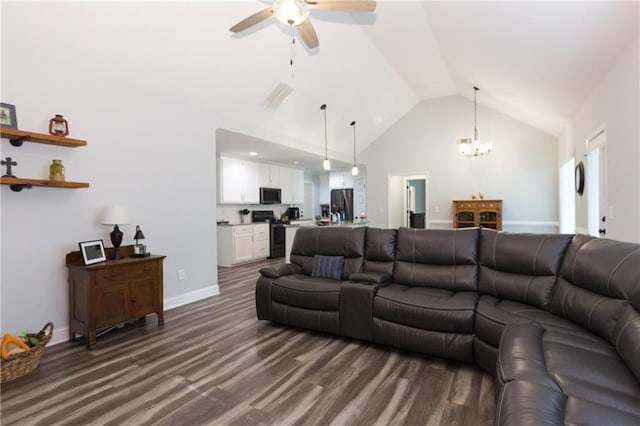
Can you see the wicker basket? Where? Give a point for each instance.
(17, 365)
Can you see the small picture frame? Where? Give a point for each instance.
(8, 118)
(92, 252)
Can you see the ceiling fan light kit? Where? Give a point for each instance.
(474, 147)
(295, 13)
(291, 12)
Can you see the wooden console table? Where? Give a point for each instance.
(108, 293)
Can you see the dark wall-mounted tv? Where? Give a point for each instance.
(270, 196)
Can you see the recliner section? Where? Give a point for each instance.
(554, 318)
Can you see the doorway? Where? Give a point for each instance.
(407, 200)
(597, 185)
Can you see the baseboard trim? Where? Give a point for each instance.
(190, 297)
(61, 335)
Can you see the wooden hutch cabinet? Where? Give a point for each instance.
(108, 293)
(477, 213)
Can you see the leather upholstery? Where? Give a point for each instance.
(520, 267)
(430, 305)
(347, 242)
(588, 371)
(593, 268)
(437, 258)
(555, 318)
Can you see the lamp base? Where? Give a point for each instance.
(116, 240)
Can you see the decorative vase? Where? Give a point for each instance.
(56, 171)
(58, 126)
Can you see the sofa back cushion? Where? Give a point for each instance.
(380, 250)
(598, 279)
(437, 258)
(330, 241)
(520, 267)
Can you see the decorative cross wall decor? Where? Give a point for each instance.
(8, 162)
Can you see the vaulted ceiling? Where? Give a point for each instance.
(535, 61)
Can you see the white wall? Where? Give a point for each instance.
(140, 154)
(522, 169)
(614, 103)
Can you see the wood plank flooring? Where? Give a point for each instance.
(214, 363)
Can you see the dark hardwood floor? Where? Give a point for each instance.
(214, 363)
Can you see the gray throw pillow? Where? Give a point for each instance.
(327, 267)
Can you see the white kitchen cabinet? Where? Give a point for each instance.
(339, 180)
(298, 187)
(238, 181)
(242, 243)
(261, 241)
(286, 184)
(268, 175)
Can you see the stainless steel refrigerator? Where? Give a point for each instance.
(342, 201)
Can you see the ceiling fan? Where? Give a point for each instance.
(295, 13)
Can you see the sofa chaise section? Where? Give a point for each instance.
(586, 366)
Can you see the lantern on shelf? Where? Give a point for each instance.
(58, 126)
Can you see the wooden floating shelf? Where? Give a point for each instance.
(18, 136)
(22, 183)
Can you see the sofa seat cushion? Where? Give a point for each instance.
(588, 371)
(305, 292)
(493, 315)
(426, 308)
(529, 404)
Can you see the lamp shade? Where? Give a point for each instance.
(115, 215)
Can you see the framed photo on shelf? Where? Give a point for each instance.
(8, 116)
(92, 252)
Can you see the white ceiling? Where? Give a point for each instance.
(535, 61)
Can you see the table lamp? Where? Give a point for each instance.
(115, 215)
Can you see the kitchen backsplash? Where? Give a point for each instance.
(229, 212)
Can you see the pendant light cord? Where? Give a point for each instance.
(353, 123)
(475, 123)
(323, 107)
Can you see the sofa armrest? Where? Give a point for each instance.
(280, 270)
(371, 277)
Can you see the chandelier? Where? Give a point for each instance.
(474, 147)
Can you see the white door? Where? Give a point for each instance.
(596, 182)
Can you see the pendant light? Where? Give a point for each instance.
(326, 164)
(354, 169)
(474, 147)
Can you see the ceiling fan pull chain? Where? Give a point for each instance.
(293, 45)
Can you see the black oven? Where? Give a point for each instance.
(276, 231)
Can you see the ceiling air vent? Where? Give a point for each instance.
(278, 96)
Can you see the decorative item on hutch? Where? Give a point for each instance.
(56, 171)
(58, 126)
(139, 250)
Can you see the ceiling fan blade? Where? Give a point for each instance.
(343, 5)
(252, 20)
(308, 34)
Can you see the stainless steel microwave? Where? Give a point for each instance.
(270, 196)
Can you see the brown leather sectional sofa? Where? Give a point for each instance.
(554, 318)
